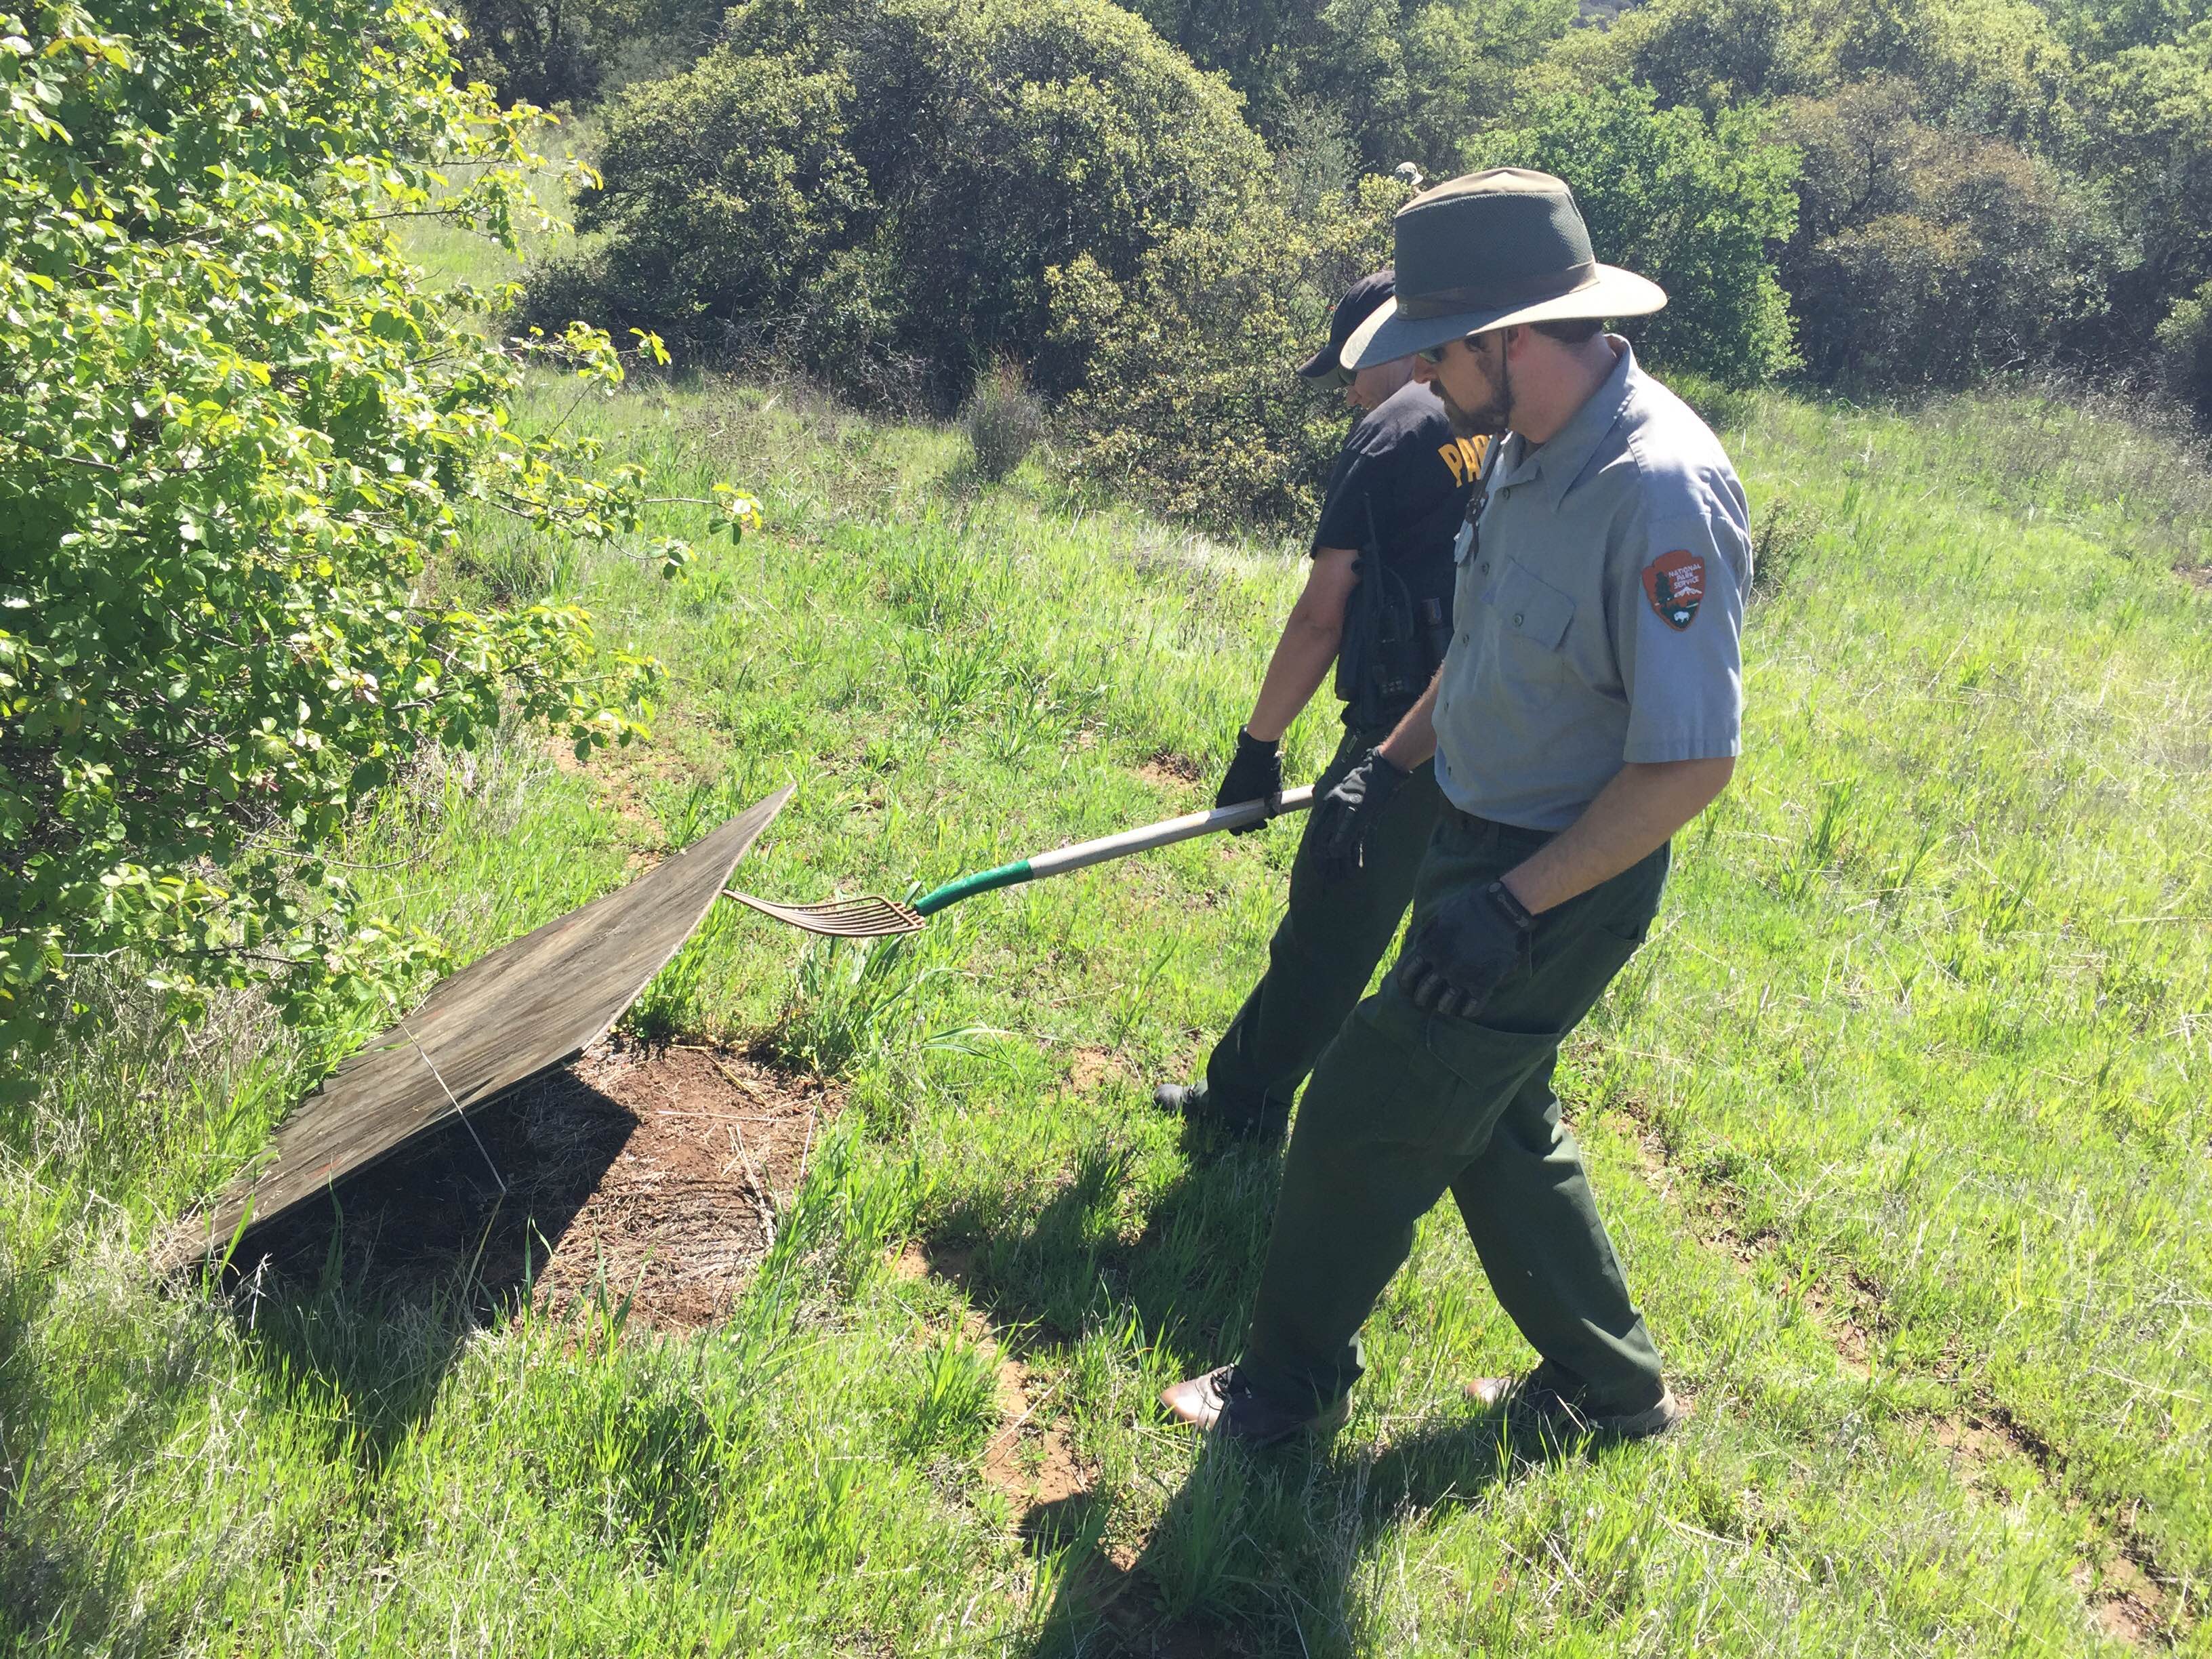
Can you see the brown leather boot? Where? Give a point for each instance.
(1223, 1403)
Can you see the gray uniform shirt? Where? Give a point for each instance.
(1598, 612)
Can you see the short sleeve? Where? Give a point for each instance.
(1678, 626)
(1344, 510)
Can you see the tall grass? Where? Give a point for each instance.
(1899, 1123)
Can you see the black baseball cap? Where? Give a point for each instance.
(1359, 302)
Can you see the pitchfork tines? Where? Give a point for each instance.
(868, 917)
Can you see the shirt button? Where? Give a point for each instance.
(1516, 619)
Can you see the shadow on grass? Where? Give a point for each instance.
(1188, 1275)
(1258, 1553)
(357, 1303)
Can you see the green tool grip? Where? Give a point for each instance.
(983, 881)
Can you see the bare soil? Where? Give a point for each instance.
(654, 1172)
(1032, 1457)
(1090, 1066)
(1171, 772)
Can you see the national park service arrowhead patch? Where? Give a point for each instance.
(1674, 583)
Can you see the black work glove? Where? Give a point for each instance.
(1255, 772)
(1464, 951)
(1344, 815)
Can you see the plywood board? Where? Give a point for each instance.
(521, 1010)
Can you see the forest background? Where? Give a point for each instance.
(1871, 199)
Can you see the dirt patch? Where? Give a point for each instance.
(1973, 1441)
(691, 1201)
(2122, 1600)
(654, 1172)
(1031, 1459)
(1090, 1067)
(1171, 772)
(624, 797)
(948, 1261)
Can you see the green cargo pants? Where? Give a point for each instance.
(1405, 1105)
(1323, 952)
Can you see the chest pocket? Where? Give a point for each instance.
(1528, 606)
(1525, 669)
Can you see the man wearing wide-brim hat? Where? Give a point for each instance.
(1589, 705)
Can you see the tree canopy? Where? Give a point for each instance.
(234, 426)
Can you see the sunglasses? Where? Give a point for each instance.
(1435, 354)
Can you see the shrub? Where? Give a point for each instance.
(1191, 398)
(960, 151)
(1708, 54)
(1699, 205)
(234, 426)
(719, 183)
(2184, 345)
(2145, 138)
(1781, 542)
(1926, 256)
(550, 51)
(1410, 79)
(1986, 66)
(1004, 421)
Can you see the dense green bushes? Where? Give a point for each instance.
(876, 189)
(233, 425)
(550, 51)
(2145, 140)
(1985, 183)
(1408, 80)
(2185, 341)
(721, 184)
(1927, 256)
(888, 193)
(1191, 398)
(1695, 204)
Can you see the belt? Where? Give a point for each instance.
(1511, 833)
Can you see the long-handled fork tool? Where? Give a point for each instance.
(876, 918)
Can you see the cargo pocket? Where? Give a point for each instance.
(1580, 947)
(1488, 1066)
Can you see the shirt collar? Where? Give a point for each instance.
(1560, 462)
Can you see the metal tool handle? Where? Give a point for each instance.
(1083, 854)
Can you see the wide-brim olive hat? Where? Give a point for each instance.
(1489, 249)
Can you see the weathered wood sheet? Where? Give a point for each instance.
(522, 1009)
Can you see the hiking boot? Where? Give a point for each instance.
(1223, 1403)
(1537, 1399)
(1190, 1103)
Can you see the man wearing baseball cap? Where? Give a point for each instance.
(1377, 606)
(1589, 707)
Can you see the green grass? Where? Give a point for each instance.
(1900, 1123)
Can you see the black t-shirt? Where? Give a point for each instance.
(1403, 466)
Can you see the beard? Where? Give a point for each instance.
(1484, 421)
(1491, 416)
